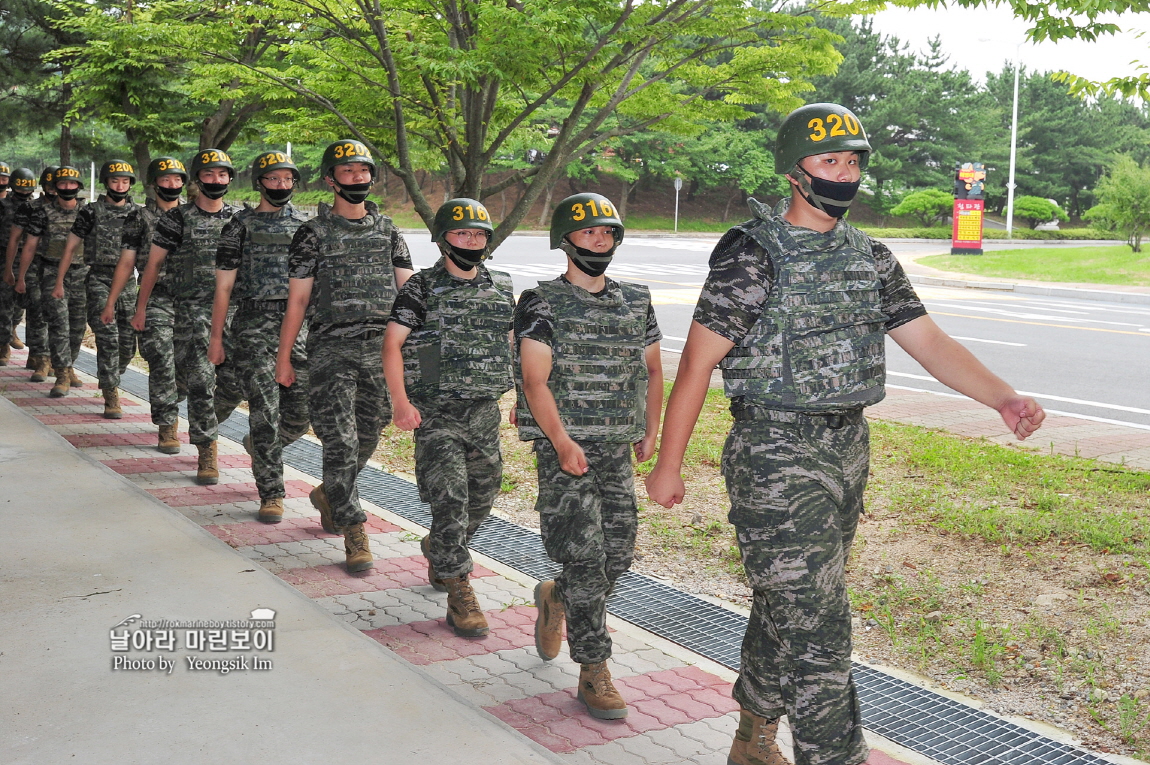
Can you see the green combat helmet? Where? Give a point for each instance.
(116, 168)
(208, 158)
(67, 173)
(165, 166)
(583, 211)
(5, 169)
(269, 161)
(46, 179)
(23, 181)
(819, 129)
(344, 153)
(460, 213)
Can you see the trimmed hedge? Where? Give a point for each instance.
(1019, 233)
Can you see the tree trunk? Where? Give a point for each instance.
(623, 193)
(502, 203)
(545, 212)
(727, 208)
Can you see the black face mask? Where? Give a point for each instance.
(213, 190)
(465, 259)
(356, 193)
(278, 197)
(832, 197)
(23, 196)
(4, 187)
(116, 196)
(168, 195)
(590, 262)
(67, 194)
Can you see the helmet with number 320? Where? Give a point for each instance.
(584, 211)
(819, 129)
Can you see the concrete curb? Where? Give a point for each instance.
(1110, 296)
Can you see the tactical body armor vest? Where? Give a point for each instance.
(356, 279)
(149, 214)
(102, 245)
(192, 267)
(264, 272)
(7, 212)
(819, 344)
(55, 236)
(461, 351)
(598, 371)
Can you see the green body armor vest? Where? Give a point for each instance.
(149, 215)
(355, 280)
(819, 345)
(461, 351)
(263, 273)
(192, 267)
(598, 370)
(55, 236)
(102, 245)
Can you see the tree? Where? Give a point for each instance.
(927, 205)
(1036, 211)
(1124, 201)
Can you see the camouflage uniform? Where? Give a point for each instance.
(353, 264)
(66, 317)
(101, 225)
(35, 327)
(10, 310)
(599, 381)
(457, 363)
(807, 312)
(190, 236)
(256, 244)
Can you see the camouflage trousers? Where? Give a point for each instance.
(192, 328)
(349, 409)
(796, 491)
(115, 342)
(66, 317)
(459, 469)
(589, 524)
(278, 415)
(35, 328)
(156, 346)
(10, 311)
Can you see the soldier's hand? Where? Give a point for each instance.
(108, 315)
(9, 278)
(513, 416)
(138, 321)
(406, 417)
(1023, 415)
(571, 458)
(20, 286)
(285, 373)
(665, 485)
(645, 449)
(216, 353)
(58, 292)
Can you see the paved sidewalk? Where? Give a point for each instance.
(482, 701)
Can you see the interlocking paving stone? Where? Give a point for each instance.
(94, 416)
(222, 493)
(251, 533)
(388, 573)
(176, 463)
(147, 438)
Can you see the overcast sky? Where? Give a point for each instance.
(983, 39)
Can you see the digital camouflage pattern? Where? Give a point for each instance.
(35, 327)
(65, 317)
(116, 341)
(55, 234)
(459, 469)
(349, 408)
(796, 483)
(263, 271)
(231, 383)
(192, 265)
(819, 344)
(461, 350)
(598, 369)
(355, 281)
(102, 244)
(157, 346)
(136, 235)
(278, 415)
(589, 524)
(210, 400)
(10, 310)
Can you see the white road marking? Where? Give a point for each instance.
(1100, 405)
(981, 340)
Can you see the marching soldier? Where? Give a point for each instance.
(9, 311)
(23, 183)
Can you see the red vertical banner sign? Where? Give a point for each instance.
(966, 238)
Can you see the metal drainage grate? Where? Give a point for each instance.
(916, 718)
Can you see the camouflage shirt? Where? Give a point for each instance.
(410, 307)
(86, 220)
(742, 276)
(170, 227)
(535, 321)
(133, 234)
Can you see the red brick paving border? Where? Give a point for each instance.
(388, 574)
(222, 494)
(90, 440)
(76, 401)
(433, 641)
(96, 415)
(252, 533)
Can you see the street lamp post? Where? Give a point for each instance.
(1013, 148)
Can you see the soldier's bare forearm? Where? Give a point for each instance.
(704, 349)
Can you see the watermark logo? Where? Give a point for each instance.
(222, 646)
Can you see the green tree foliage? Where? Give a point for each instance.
(1124, 201)
(1036, 211)
(926, 206)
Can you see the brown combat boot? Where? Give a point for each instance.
(75, 378)
(15, 341)
(112, 410)
(63, 383)
(169, 441)
(42, 369)
(548, 620)
(598, 693)
(30, 362)
(319, 501)
(271, 510)
(463, 612)
(357, 549)
(754, 742)
(207, 470)
(436, 582)
(5, 354)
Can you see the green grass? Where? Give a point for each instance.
(944, 232)
(1094, 265)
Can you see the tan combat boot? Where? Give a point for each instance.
(754, 742)
(63, 383)
(436, 582)
(463, 612)
(319, 501)
(357, 549)
(5, 353)
(207, 471)
(169, 442)
(598, 693)
(271, 510)
(75, 378)
(42, 369)
(31, 361)
(15, 341)
(548, 620)
(112, 410)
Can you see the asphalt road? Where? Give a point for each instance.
(1081, 357)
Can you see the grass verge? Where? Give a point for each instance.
(1093, 265)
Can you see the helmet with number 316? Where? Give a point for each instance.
(458, 213)
(583, 211)
(819, 129)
